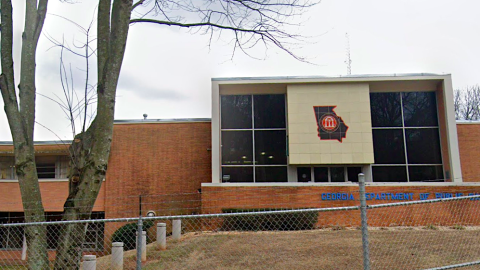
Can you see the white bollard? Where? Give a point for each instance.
(162, 235)
(117, 256)
(24, 248)
(89, 262)
(176, 229)
(144, 246)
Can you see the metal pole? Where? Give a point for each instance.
(139, 236)
(363, 215)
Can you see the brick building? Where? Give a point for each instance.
(278, 143)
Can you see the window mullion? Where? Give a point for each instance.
(253, 141)
(404, 136)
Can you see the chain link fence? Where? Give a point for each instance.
(438, 233)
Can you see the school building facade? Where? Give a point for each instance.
(283, 142)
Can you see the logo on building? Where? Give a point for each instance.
(330, 125)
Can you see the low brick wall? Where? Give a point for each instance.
(465, 212)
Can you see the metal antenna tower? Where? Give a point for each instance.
(348, 60)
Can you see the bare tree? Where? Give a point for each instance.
(21, 118)
(457, 103)
(467, 103)
(247, 22)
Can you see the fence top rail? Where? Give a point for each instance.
(455, 266)
(219, 215)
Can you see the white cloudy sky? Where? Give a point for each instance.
(167, 71)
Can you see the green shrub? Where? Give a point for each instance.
(127, 234)
(269, 222)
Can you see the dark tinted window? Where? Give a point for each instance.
(271, 174)
(270, 147)
(269, 111)
(337, 174)
(423, 146)
(237, 148)
(352, 173)
(46, 170)
(426, 173)
(389, 174)
(321, 174)
(236, 112)
(304, 174)
(386, 109)
(237, 174)
(419, 109)
(388, 146)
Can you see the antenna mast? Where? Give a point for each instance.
(348, 60)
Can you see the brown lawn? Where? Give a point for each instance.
(339, 248)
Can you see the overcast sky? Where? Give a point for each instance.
(166, 72)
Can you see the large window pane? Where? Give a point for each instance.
(304, 174)
(389, 174)
(271, 174)
(7, 168)
(426, 173)
(237, 174)
(269, 111)
(337, 174)
(419, 109)
(321, 174)
(423, 146)
(388, 146)
(353, 172)
(270, 147)
(236, 112)
(386, 109)
(237, 148)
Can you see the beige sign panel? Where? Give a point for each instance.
(329, 124)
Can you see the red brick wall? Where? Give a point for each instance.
(469, 146)
(53, 196)
(165, 162)
(214, 199)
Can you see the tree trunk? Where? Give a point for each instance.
(32, 204)
(21, 118)
(91, 149)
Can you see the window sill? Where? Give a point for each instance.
(39, 180)
(312, 184)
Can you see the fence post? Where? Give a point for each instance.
(363, 215)
(176, 229)
(143, 247)
(139, 243)
(89, 262)
(162, 235)
(117, 256)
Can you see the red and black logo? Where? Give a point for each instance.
(330, 125)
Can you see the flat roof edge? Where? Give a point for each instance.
(468, 122)
(152, 121)
(343, 77)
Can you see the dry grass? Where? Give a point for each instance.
(401, 248)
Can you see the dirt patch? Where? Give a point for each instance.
(397, 248)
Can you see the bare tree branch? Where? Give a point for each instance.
(252, 22)
(467, 103)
